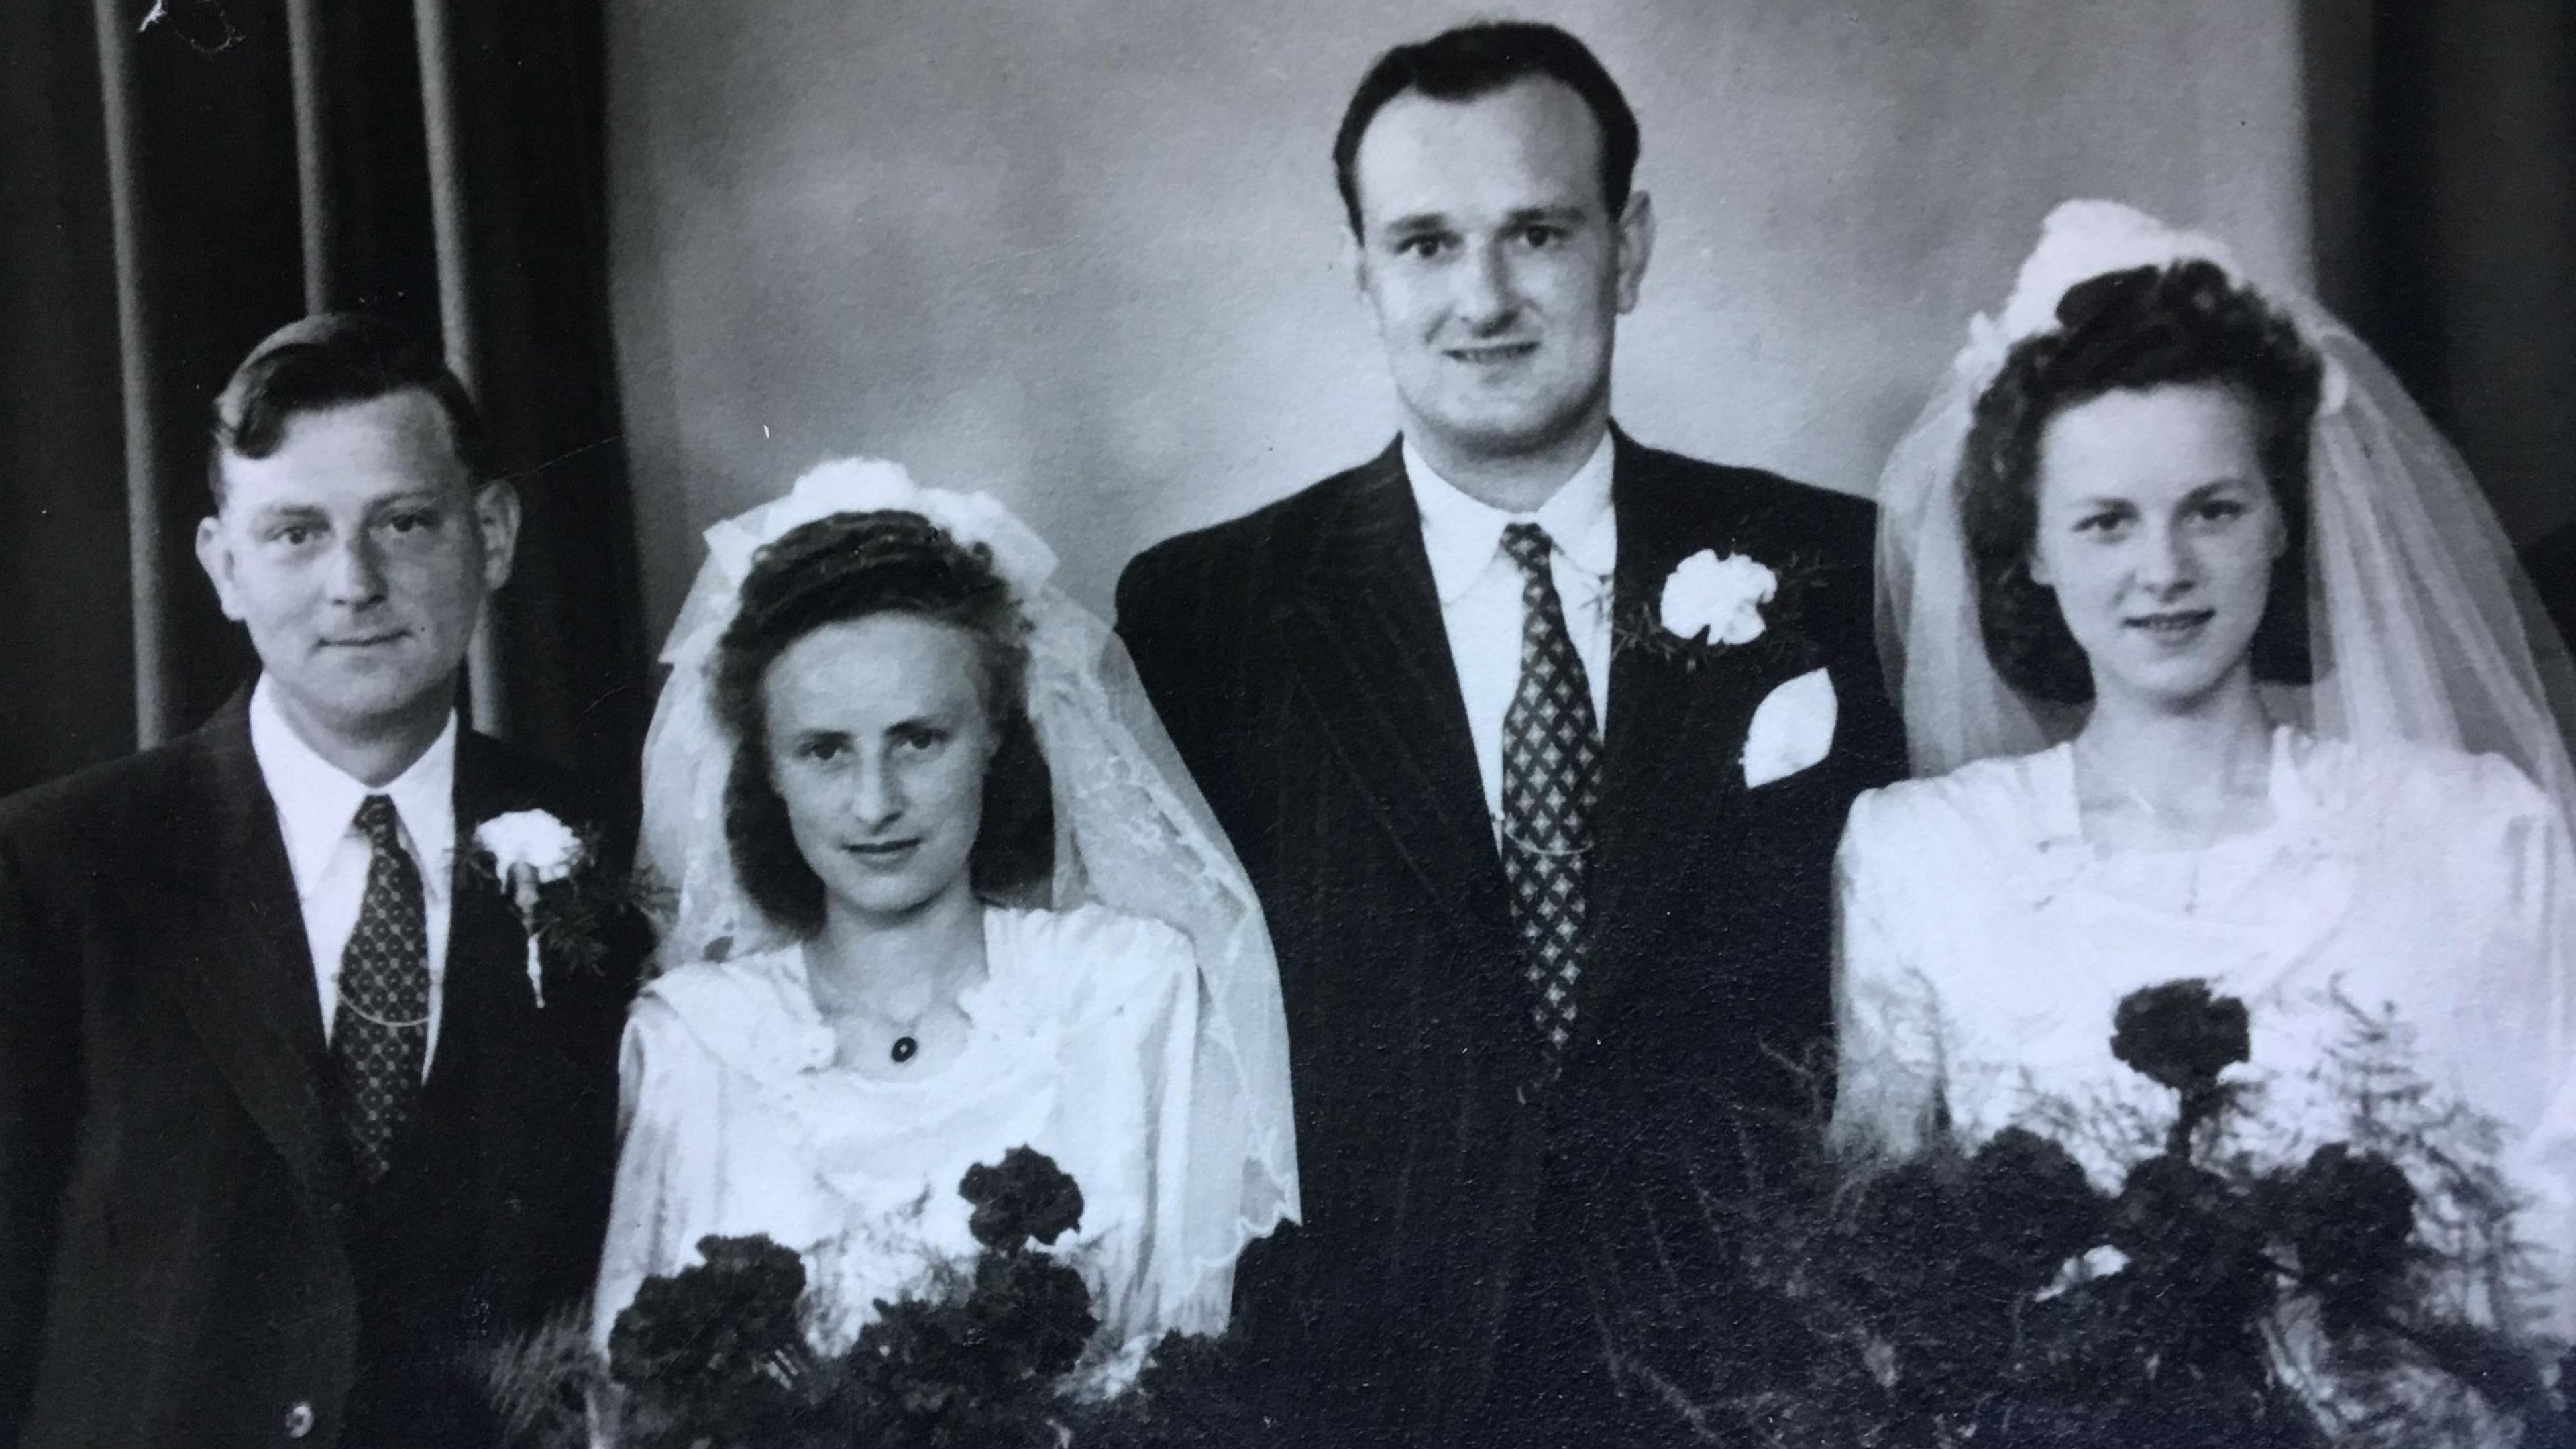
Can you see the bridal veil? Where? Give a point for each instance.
(2423, 628)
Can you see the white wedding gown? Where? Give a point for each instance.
(1985, 946)
(737, 1121)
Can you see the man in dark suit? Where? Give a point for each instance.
(1537, 743)
(2552, 564)
(288, 1143)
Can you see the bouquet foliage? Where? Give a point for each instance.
(717, 1356)
(1997, 1297)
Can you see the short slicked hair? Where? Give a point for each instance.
(329, 360)
(1477, 60)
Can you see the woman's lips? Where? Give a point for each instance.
(366, 641)
(2174, 626)
(882, 852)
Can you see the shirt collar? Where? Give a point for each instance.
(317, 802)
(1464, 536)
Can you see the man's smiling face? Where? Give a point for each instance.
(359, 553)
(1493, 266)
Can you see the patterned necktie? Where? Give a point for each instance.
(1551, 773)
(380, 1034)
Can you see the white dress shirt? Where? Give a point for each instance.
(1480, 592)
(317, 811)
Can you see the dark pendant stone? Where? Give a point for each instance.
(904, 1047)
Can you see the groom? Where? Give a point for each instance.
(1537, 743)
(288, 1144)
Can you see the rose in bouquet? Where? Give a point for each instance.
(1994, 1295)
(719, 1355)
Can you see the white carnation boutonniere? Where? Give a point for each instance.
(529, 851)
(1717, 600)
(1723, 602)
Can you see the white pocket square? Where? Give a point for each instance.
(1793, 729)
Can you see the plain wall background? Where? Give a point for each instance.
(1085, 254)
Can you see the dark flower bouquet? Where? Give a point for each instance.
(1996, 1296)
(716, 1356)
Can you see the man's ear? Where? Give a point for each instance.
(215, 556)
(1354, 259)
(1636, 246)
(496, 517)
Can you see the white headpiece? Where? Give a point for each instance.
(1132, 833)
(2422, 626)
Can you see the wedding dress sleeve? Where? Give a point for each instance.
(2538, 869)
(1133, 1031)
(1888, 1084)
(670, 1103)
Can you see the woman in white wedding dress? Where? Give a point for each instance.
(883, 724)
(2219, 669)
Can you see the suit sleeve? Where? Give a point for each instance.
(1876, 728)
(1161, 606)
(40, 1100)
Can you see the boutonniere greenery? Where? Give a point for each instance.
(550, 873)
(1716, 602)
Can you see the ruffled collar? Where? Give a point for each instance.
(758, 1014)
(2302, 832)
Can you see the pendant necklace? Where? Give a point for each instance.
(2168, 822)
(905, 1027)
(2231, 766)
(2191, 894)
(907, 1042)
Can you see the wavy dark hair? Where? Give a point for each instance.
(2147, 327)
(852, 566)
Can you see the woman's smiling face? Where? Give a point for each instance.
(2158, 533)
(879, 738)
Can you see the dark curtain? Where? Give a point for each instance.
(2444, 141)
(66, 650)
(185, 176)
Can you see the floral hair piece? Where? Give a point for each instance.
(861, 485)
(2082, 240)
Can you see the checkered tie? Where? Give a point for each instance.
(1551, 773)
(380, 1035)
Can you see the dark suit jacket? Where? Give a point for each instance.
(2552, 565)
(186, 1258)
(1466, 1239)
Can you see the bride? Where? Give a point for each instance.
(2219, 668)
(883, 723)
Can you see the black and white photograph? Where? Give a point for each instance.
(1157, 724)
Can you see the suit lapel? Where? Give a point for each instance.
(1665, 746)
(1365, 638)
(246, 973)
(235, 923)
(488, 1010)
(1659, 707)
